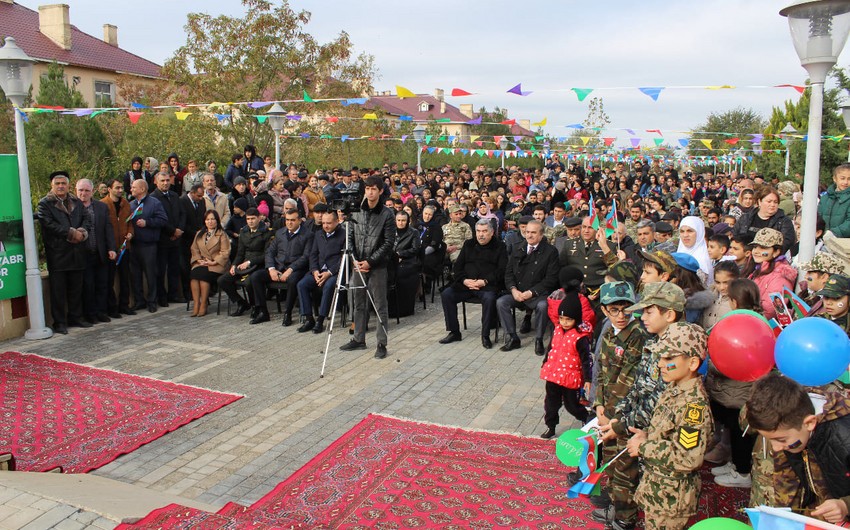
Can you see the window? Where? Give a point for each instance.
(424, 106)
(103, 94)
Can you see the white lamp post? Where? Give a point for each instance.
(276, 118)
(15, 80)
(845, 114)
(503, 144)
(787, 132)
(819, 29)
(419, 137)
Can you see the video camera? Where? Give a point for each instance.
(349, 201)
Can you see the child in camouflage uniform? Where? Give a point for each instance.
(836, 301)
(621, 346)
(673, 446)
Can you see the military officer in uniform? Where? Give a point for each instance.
(456, 232)
(592, 255)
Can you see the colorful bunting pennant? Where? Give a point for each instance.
(402, 92)
(459, 92)
(183, 115)
(134, 116)
(518, 90)
(652, 91)
(582, 93)
(541, 123)
(307, 98)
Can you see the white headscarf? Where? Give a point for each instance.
(700, 249)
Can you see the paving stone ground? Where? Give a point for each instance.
(289, 414)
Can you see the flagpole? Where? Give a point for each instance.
(608, 463)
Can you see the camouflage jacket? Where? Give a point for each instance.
(679, 430)
(456, 233)
(552, 232)
(635, 410)
(619, 358)
(631, 228)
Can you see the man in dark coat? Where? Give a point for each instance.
(325, 259)
(100, 251)
(65, 225)
(531, 275)
(250, 256)
(119, 214)
(479, 273)
(148, 218)
(286, 262)
(168, 248)
(194, 208)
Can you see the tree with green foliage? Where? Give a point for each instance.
(729, 132)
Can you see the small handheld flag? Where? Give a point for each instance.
(136, 213)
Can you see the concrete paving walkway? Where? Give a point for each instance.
(289, 414)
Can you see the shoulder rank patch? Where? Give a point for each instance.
(688, 437)
(694, 414)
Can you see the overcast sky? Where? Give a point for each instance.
(549, 46)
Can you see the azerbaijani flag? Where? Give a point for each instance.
(801, 308)
(767, 518)
(588, 485)
(611, 222)
(592, 213)
(136, 213)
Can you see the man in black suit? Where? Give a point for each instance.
(194, 208)
(168, 248)
(530, 277)
(287, 260)
(100, 250)
(65, 225)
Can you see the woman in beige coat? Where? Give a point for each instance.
(210, 256)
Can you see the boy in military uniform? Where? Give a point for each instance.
(663, 306)
(836, 298)
(673, 445)
(455, 232)
(620, 354)
(818, 271)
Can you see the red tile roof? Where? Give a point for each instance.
(22, 23)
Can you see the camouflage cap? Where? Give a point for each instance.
(454, 208)
(663, 227)
(624, 271)
(823, 262)
(837, 286)
(663, 259)
(616, 292)
(663, 294)
(681, 338)
(768, 238)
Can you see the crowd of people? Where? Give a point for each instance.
(615, 274)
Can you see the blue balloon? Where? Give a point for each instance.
(813, 351)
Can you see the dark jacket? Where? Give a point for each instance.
(155, 220)
(778, 221)
(235, 225)
(481, 262)
(131, 175)
(431, 235)
(193, 218)
(175, 214)
(289, 252)
(326, 253)
(252, 245)
(103, 232)
(589, 259)
(56, 223)
(834, 208)
(407, 247)
(537, 272)
(373, 234)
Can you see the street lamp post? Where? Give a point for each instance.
(845, 114)
(787, 132)
(819, 29)
(419, 137)
(276, 118)
(15, 80)
(503, 144)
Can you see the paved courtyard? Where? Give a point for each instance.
(289, 414)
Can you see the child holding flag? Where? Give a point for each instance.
(674, 443)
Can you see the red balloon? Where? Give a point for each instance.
(741, 347)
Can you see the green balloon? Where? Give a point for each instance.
(568, 449)
(721, 523)
(746, 312)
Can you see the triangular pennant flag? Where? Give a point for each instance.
(757, 138)
(476, 121)
(473, 137)
(582, 93)
(293, 117)
(458, 92)
(584, 139)
(221, 117)
(332, 119)
(261, 119)
(837, 138)
(575, 126)
(654, 131)
(658, 141)
(732, 141)
(452, 138)
(541, 123)
(307, 97)
(442, 138)
(134, 116)
(428, 138)
(683, 142)
(431, 149)
(370, 116)
(402, 92)
(479, 143)
(259, 104)
(508, 122)
(443, 120)
(652, 91)
(706, 143)
(719, 87)
(139, 106)
(518, 90)
(403, 137)
(343, 138)
(798, 88)
(608, 141)
(635, 142)
(497, 139)
(305, 135)
(405, 118)
(182, 115)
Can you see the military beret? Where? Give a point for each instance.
(686, 261)
(663, 227)
(572, 222)
(320, 207)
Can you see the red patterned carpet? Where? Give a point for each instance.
(55, 413)
(394, 474)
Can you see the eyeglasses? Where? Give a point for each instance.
(615, 311)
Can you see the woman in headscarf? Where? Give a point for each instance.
(484, 212)
(431, 238)
(405, 268)
(692, 241)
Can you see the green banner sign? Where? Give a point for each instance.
(12, 263)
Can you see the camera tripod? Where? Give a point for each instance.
(342, 284)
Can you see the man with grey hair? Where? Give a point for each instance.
(215, 199)
(530, 276)
(100, 250)
(478, 274)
